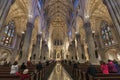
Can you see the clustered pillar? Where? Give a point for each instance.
(90, 43)
(72, 51)
(27, 41)
(44, 51)
(37, 50)
(79, 48)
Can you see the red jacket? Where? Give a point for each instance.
(23, 76)
(104, 68)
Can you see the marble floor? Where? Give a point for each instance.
(59, 73)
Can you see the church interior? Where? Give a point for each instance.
(64, 36)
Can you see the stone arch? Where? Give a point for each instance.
(6, 54)
(112, 53)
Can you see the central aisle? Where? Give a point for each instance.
(59, 73)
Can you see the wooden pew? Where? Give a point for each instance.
(5, 73)
(80, 73)
(43, 75)
(9, 77)
(100, 76)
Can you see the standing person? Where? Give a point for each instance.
(14, 68)
(111, 67)
(104, 67)
(39, 66)
(47, 63)
(23, 66)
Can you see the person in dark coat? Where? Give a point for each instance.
(39, 66)
(47, 63)
(91, 70)
(23, 66)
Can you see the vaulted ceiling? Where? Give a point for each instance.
(58, 15)
(58, 8)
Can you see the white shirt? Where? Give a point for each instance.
(14, 69)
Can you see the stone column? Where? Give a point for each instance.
(14, 45)
(102, 54)
(37, 50)
(14, 41)
(18, 42)
(79, 48)
(17, 47)
(4, 10)
(90, 43)
(101, 49)
(46, 54)
(72, 50)
(114, 10)
(42, 51)
(27, 41)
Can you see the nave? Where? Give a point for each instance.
(59, 73)
(78, 33)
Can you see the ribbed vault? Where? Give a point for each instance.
(59, 14)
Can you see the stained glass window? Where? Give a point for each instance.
(106, 34)
(8, 34)
(40, 3)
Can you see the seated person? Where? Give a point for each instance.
(23, 75)
(75, 65)
(91, 70)
(111, 67)
(14, 68)
(116, 65)
(104, 67)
